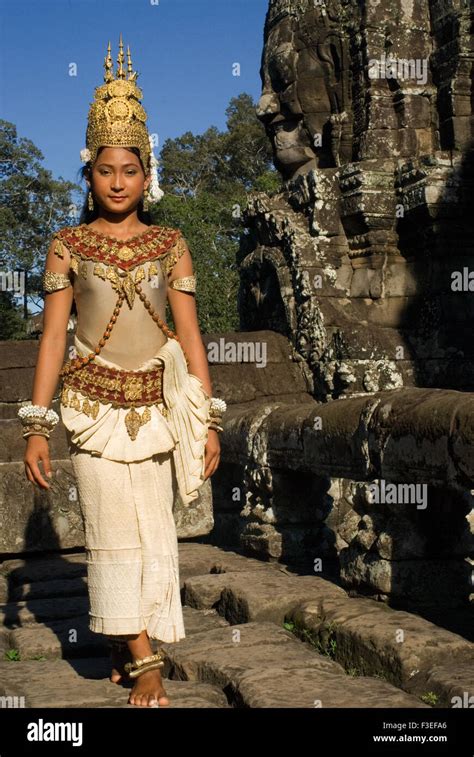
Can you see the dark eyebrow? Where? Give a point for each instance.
(124, 164)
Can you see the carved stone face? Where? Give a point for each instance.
(302, 76)
(279, 106)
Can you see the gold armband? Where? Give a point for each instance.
(184, 284)
(53, 281)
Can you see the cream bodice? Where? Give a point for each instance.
(135, 336)
(101, 268)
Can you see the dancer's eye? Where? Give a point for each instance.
(130, 172)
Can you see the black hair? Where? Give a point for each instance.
(87, 216)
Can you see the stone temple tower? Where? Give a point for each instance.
(365, 260)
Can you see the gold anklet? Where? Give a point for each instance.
(137, 667)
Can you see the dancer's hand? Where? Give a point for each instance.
(213, 453)
(37, 449)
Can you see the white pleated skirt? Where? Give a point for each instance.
(127, 489)
(131, 544)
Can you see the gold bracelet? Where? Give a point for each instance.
(36, 429)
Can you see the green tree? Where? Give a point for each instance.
(32, 206)
(12, 325)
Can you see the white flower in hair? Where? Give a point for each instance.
(155, 193)
(85, 155)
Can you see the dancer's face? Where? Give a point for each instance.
(117, 173)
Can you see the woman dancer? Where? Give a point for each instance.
(140, 425)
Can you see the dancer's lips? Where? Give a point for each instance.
(118, 199)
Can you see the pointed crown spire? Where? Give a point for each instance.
(117, 117)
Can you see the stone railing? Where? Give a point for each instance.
(375, 489)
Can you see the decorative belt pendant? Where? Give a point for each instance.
(134, 421)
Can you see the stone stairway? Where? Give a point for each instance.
(258, 635)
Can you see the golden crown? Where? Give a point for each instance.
(116, 117)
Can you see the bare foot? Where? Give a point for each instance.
(148, 691)
(119, 658)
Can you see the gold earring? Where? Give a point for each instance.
(145, 200)
(90, 201)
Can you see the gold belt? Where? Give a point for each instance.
(114, 386)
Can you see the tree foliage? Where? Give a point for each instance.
(32, 206)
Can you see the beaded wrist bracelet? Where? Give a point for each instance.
(37, 419)
(217, 408)
(29, 413)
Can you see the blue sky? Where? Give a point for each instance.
(184, 51)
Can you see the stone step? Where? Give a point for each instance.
(66, 639)
(201, 559)
(343, 648)
(194, 559)
(451, 683)
(245, 596)
(368, 638)
(33, 569)
(261, 665)
(374, 639)
(59, 588)
(72, 638)
(85, 683)
(31, 573)
(32, 611)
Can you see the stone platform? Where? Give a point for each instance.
(258, 635)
